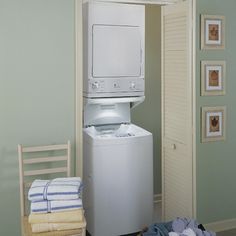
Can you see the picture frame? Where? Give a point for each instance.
(212, 32)
(213, 78)
(213, 124)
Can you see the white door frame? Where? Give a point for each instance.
(79, 82)
(194, 34)
(79, 88)
(158, 2)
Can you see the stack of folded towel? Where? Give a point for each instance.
(56, 205)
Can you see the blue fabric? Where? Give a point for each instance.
(180, 224)
(161, 229)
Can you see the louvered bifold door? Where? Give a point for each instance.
(176, 111)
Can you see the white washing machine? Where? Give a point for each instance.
(118, 174)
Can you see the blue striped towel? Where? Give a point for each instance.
(56, 189)
(45, 206)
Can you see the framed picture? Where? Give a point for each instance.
(213, 123)
(213, 78)
(212, 32)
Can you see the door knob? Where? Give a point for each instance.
(173, 146)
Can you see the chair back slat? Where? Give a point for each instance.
(32, 165)
(44, 159)
(45, 171)
(45, 148)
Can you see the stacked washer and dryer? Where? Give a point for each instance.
(118, 155)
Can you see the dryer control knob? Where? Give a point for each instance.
(132, 85)
(95, 85)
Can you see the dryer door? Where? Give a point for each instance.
(117, 51)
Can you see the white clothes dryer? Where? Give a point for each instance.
(113, 50)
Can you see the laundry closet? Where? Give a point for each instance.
(160, 101)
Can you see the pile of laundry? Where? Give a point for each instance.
(56, 205)
(178, 227)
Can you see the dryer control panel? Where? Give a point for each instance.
(110, 87)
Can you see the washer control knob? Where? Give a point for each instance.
(95, 85)
(116, 85)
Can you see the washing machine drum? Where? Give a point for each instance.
(112, 131)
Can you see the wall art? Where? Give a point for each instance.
(212, 32)
(213, 123)
(213, 78)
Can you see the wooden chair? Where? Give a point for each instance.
(38, 162)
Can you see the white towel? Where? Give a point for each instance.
(45, 206)
(189, 232)
(56, 189)
(186, 232)
(173, 234)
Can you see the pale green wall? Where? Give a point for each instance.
(216, 162)
(148, 114)
(37, 99)
(36, 88)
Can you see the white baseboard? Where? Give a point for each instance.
(221, 225)
(157, 198)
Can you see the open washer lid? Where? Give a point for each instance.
(109, 111)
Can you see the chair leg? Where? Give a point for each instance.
(83, 232)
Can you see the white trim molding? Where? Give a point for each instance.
(221, 225)
(78, 88)
(158, 2)
(194, 97)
